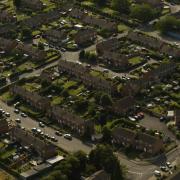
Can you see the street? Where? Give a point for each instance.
(139, 170)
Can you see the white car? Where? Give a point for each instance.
(157, 173)
(18, 120)
(68, 136)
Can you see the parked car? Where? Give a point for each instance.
(41, 124)
(16, 111)
(164, 168)
(18, 120)
(7, 114)
(68, 136)
(168, 164)
(58, 133)
(23, 115)
(53, 139)
(157, 173)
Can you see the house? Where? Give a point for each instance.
(29, 50)
(123, 136)
(154, 43)
(177, 118)
(153, 3)
(6, 17)
(123, 105)
(85, 37)
(7, 45)
(84, 75)
(134, 86)
(93, 20)
(61, 116)
(46, 76)
(115, 59)
(56, 37)
(137, 140)
(99, 175)
(40, 19)
(148, 143)
(33, 98)
(110, 45)
(72, 121)
(7, 30)
(45, 149)
(4, 128)
(33, 4)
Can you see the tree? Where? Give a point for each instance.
(106, 135)
(100, 2)
(105, 100)
(122, 6)
(102, 157)
(26, 33)
(81, 156)
(41, 46)
(17, 3)
(142, 12)
(82, 54)
(168, 23)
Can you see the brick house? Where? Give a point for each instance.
(83, 74)
(137, 140)
(99, 175)
(55, 37)
(85, 37)
(93, 21)
(7, 30)
(154, 43)
(34, 53)
(33, 98)
(6, 17)
(148, 143)
(123, 105)
(153, 3)
(123, 136)
(61, 116)
(110, 45)
(44, 148)
(177, 118)
(7, 45)
(4, 128)
(153, 76)
(72, 121)
(115, 59)
(40, 19)
(33, 4)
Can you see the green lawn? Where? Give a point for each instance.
(69, 84)
(135, 60)
(57, 100)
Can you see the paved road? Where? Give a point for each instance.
(29, 123)
(139, 170)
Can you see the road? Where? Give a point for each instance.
(139, 170)
(28, 123)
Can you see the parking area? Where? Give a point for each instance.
(151, 122)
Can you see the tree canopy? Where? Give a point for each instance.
(122, 6)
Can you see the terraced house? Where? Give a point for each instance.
(139, 141)
(61, 116)
(6, 17)
(29, 50)
(55, 37)
(153, 76)
(85, 37)
(7, 45)
(84, 75)
(33, 98)
(93, 20)
(32, 4)
(154, 43)
(44, 148)
(66, 119)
